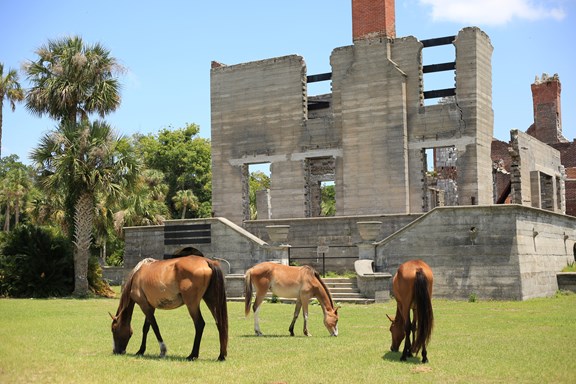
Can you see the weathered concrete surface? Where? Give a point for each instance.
(505, 252)
(508, 252)
(374, 128)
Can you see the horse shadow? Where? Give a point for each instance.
(272, 336)
(394, 357)
(171, 358)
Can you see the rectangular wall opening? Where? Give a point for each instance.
(440, 177)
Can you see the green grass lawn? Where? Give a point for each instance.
(69, 341)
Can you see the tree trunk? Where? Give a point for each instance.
(83, 221)
(7, 220)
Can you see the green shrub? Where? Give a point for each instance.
(36, 262)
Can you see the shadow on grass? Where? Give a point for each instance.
(273, 336)
(395, 358)
(165, 358)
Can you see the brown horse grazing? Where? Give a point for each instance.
(168, 284)
(412, 287)
(301, 283)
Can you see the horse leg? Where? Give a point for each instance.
(296, 313)
(305, 315)
(150, 320)
(223, 341)
(199, 327)
(424, 354)
(145, 330)
(256, 308)
(156, 330)
(407, 345)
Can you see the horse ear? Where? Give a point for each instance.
(389, 318)
(113, 317)
(336, 310)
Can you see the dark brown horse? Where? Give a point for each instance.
(412, 287)
(169, 284)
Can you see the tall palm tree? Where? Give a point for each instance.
(10, 90)
(184, 200)
(72, 80)
(86, 158)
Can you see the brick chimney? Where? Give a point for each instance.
(547, 125)
(373, 18)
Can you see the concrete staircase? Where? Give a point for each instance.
(342, 289)
(345, 290)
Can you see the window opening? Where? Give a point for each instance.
(259, 191)
(439, 69)
(440, 180)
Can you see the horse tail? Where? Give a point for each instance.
(425, 315)
(247, 292)
(217, 291)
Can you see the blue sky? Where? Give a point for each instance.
(167, 48)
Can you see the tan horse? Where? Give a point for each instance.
(301, 283)
(412, 287)
(169, 284)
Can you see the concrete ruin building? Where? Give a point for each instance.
(417, 165)
(370, 135)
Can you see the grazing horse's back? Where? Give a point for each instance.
(168, 284)
(412, 287)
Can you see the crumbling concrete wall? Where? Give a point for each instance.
(504, 252)
(374, 128)
(258, 110)
(537, 175)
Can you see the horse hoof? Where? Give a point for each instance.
(192, 358)
(221, 358)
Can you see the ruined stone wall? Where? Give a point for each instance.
(370, 108)
(258, 110)
(537, 177)
(374, 128)
(505, 252)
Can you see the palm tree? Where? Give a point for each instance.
(87, 159)
(146, 205)
(184, 200)
(71, 80)
(10, 90)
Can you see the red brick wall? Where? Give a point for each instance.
(547, 114)
(373, 18)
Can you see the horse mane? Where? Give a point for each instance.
(125, 296)
(317, 275)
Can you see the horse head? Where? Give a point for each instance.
(397, 331)
(121, 333)
(331, 321)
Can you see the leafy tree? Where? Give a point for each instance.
(185, 161)
(258, 181)
(328, 200)
(71, 79)
(87, 159)
(10, 90)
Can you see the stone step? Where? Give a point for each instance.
(342, 289)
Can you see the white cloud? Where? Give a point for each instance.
(492, 12)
